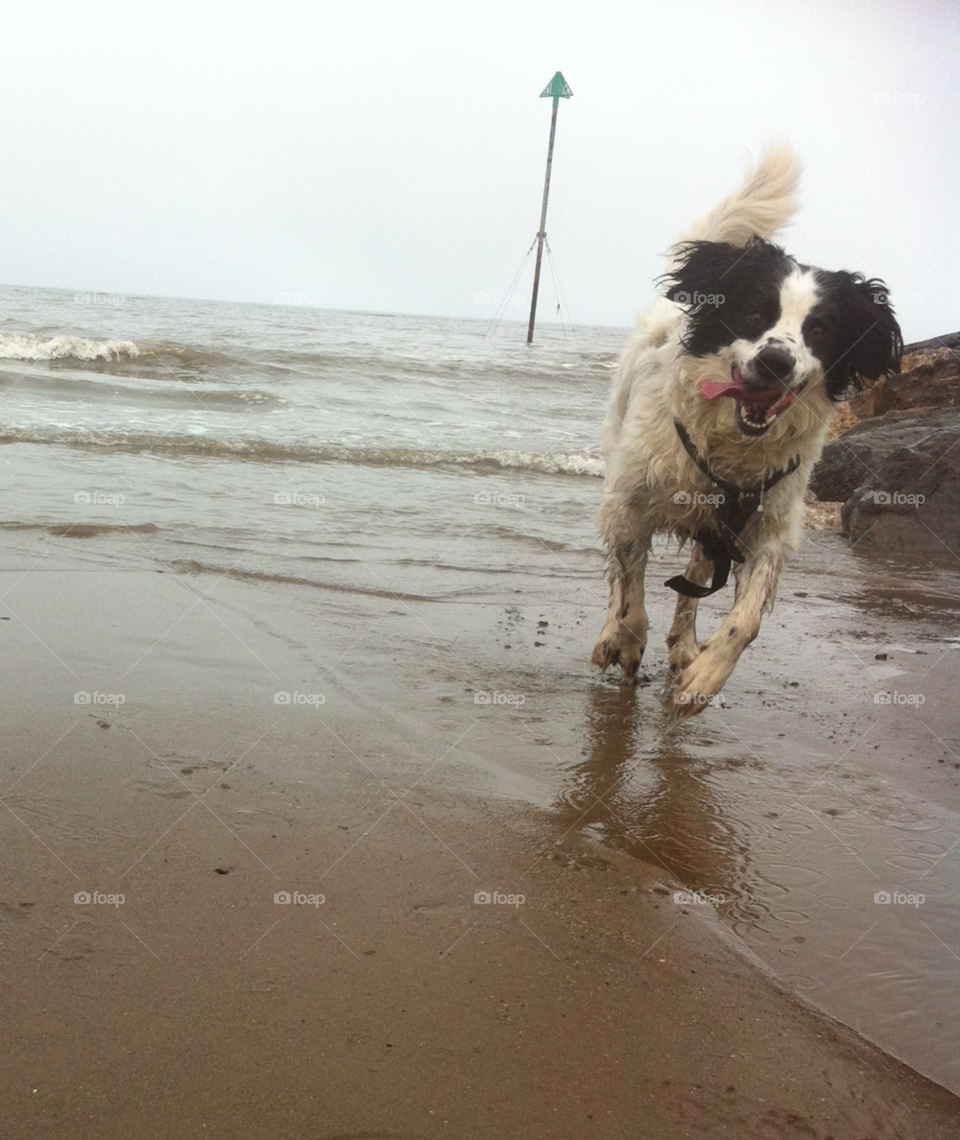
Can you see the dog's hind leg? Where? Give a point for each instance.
(624, 636)
(682, 638)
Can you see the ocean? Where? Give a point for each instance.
(344, 449)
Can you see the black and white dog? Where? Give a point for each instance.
(719, 410)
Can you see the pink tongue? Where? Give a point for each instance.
(714, 388)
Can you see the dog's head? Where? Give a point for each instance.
(780, 326)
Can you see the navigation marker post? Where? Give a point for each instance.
(557, 89)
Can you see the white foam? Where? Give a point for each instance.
(551, 464)
(13, 347)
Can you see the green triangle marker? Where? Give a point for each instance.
(557, 89)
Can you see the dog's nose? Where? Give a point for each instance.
(774, 364)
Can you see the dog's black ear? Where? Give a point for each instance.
(702, 268)
(728, 291)
(870, 342)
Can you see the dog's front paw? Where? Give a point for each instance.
(700, 682)
(618, 645)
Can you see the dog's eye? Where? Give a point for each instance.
(754, 320)
(816, 332)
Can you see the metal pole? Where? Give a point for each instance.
(543, 222)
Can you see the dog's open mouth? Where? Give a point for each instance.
(757, 407)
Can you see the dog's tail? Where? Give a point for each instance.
(764, 204)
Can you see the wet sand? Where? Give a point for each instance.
(399, 1006)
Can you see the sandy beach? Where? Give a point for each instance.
(398, 1006)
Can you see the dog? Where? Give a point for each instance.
(718, 412)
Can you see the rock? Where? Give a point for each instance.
(843, 421)
(822, 516)
(929, 377)
(908, 497)
(855, 457)
(895, 461)
(934, 344)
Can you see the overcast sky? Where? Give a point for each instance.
(390, 156)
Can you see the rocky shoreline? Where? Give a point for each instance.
(894, 464)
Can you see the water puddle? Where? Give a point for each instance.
(841, 882)
(818, 811)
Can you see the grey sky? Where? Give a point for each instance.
(390, 156)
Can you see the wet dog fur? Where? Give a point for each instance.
(751, 351)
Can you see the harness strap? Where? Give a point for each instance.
(738, 505)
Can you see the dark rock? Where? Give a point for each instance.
(854, 459)
(949, 340)
(929, 378)
(897, 470)
(909, 500)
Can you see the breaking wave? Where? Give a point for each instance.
(13, 347)
(265, 451)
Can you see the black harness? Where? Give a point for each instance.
(734, 511)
